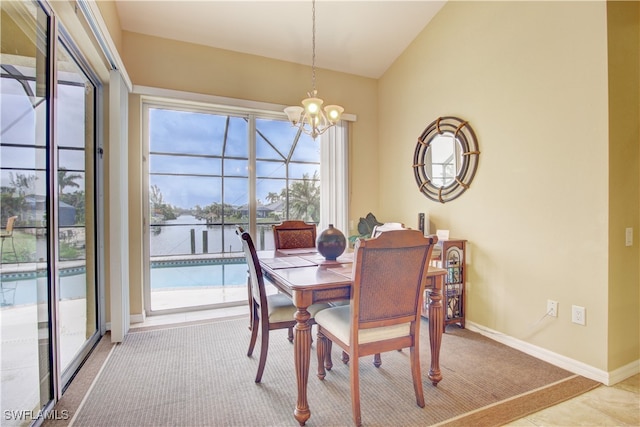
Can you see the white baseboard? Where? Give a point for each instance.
(572, 365)
(624, 372)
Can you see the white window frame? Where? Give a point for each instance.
(334, 153)
(334, 160)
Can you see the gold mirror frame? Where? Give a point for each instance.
(465, 162)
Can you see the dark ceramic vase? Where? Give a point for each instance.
(331, 243)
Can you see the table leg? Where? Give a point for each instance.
(302, 356)
(436, 325)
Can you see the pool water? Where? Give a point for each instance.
(176, 275)
(31, 287)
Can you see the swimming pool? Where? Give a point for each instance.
(194, 273)
(30, 287)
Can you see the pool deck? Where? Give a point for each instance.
(193, 297)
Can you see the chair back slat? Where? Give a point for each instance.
(8, 229)
(390, 273)
(256, 279)
(294, 234)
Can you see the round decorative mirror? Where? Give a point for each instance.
(445, 159)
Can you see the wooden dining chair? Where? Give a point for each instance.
(7, 233)
(294, 234)
(377, 230)
(267, 312)
(390, 273)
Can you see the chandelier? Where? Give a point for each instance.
(311, 118)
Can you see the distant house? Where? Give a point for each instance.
(36, 208)
(263, 211)
(277, 209)
(66, 215)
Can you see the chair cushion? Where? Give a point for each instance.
(337, 320)
(339, 303)
(281, 308)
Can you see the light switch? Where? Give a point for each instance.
(628, 236)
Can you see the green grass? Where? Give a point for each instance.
(25, 245)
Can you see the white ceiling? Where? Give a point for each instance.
(361, 37)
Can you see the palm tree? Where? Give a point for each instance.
(24, 184)
(272, 197)
(66, 179)
(304, 198)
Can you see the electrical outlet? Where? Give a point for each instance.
(578, 315)
(552, 308)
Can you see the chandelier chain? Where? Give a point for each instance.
(313, 48)
(313, 119)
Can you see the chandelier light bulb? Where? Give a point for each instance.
(312, 105)
(334, 112)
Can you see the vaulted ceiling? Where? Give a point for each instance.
(358, 37)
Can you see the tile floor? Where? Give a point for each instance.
(617, 405)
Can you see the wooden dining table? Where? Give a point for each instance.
(308, 278)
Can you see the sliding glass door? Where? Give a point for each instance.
(48, 305)
(26, 366)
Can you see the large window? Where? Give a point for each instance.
(208, 171)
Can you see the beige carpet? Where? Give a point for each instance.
(199, 375)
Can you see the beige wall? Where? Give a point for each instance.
(531, 79)
(624, 200)
(546, 213)
(111, 19)
(167, 64)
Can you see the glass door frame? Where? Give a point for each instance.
(251, 115)
(65, 40)
(60, 379)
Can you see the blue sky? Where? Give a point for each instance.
(171, 132)
(202, 134)
(22, 121)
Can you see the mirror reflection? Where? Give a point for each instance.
(445, 158)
